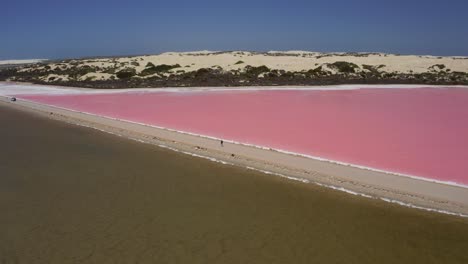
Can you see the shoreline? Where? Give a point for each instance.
(59, 89)
(412, 192)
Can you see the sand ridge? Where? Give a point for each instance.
(29, 61)
(239, 61)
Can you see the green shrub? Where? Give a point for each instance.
(440, 66)
(202, 71)
(372, 68)
(256, 70)
(85, 70)
(239, 62)
(110, 70)
(316, 71)
(126, 73)
(157, 69)
(165, 67)
(344, 66)
(149, 64)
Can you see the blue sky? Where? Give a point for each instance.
(65, 29)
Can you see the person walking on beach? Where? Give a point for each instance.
(222, 142)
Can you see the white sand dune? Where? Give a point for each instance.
(13, 62)
(293, 61)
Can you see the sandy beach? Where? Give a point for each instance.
(372, 184)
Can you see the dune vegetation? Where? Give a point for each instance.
(240, 68)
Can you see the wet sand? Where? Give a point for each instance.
(70, 194)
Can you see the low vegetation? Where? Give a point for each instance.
(255, 71)
(126, 73)
(437, 67)
(152, 69)
(129, 73)
(344, 66)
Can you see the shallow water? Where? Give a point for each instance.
(420, 132)
(75, 195)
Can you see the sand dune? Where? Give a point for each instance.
(12, 62)
(300, 61)
(302, 64)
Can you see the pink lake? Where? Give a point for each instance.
(421, 132)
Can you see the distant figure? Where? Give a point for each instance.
(222, 142)
(13, 99)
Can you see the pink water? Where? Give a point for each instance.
(421, 132)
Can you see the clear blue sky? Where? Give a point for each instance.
(64, 29)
